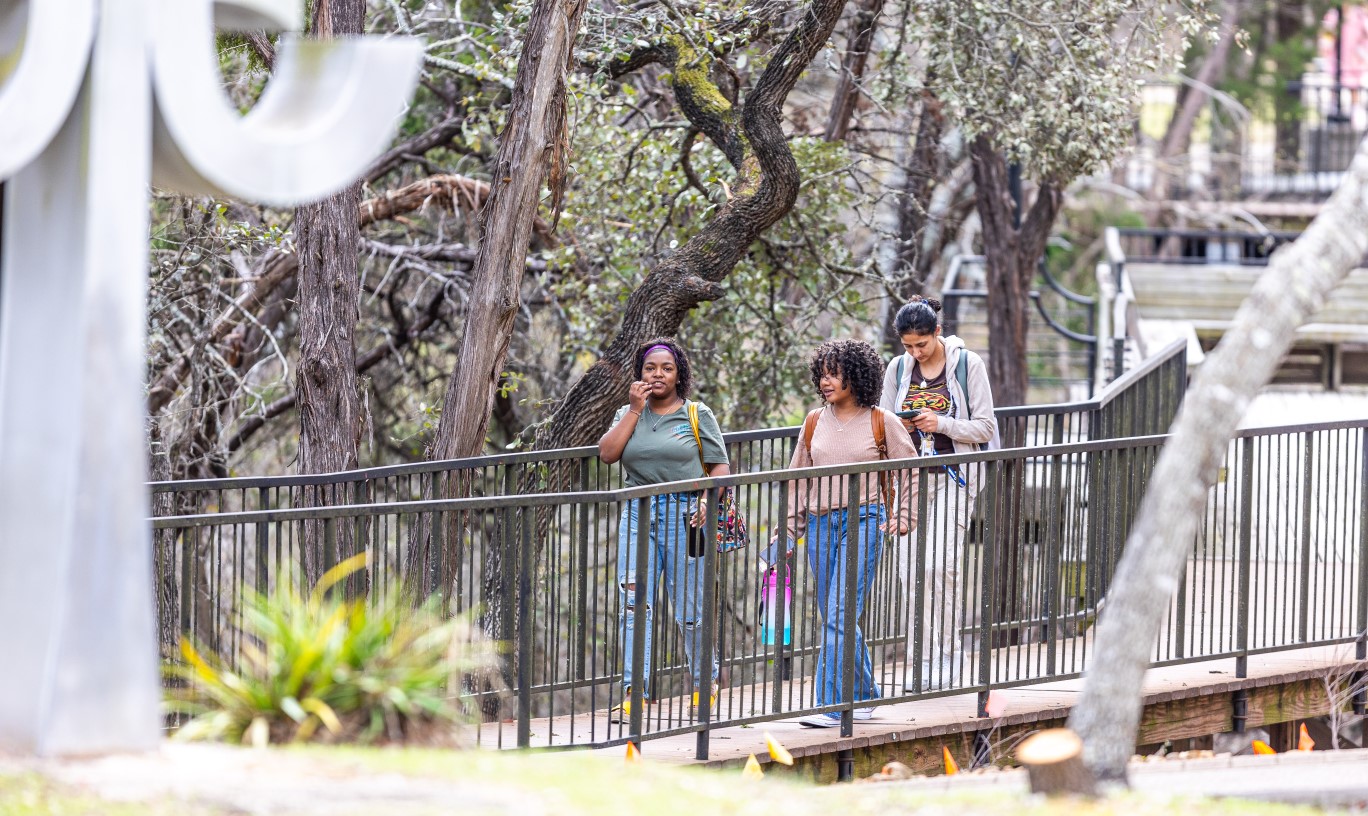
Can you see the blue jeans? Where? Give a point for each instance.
(667, 550)
(828, 541)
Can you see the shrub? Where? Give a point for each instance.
(325, 668)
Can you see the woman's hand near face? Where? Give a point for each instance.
(614, 441)
(636, 396)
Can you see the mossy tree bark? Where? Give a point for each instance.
(1298, 280)
(766, 189)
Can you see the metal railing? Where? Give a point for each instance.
(1062, 343)
(1184, 246)
(1321, 124)
(1279, 563)
(1144, 401)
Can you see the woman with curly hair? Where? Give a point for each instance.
(942, 390)
(849, 428)
(656, 441)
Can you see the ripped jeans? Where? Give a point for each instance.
(667, 548)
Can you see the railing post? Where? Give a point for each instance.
(849, 609)
(441, 582)
(1053, 543)
(582, 577)
(525, 628)
(1361, 648)
(918, 599)
(709, 590)
(781, 622)
(1304, 578)
(263, 554)
(329, 543)
(640, 602)
(359, 582)
(987, 623)
(1246, 544)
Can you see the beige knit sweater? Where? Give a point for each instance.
(834, 443)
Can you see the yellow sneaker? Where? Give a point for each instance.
(622, 712)
(693, 711)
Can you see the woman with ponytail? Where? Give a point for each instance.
(940, 390)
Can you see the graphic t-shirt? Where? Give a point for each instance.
(662, 447)
(934, 394)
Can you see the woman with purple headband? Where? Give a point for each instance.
(655, 441)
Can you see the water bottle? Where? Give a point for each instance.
(769, 599)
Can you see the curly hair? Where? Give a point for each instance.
(683, 371)
(858, 364)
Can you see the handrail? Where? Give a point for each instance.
(646, 491)
(1109, 393)
(1067, 294)
(589, 452)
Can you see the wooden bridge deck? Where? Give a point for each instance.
(1183, 701)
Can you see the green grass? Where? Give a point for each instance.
(486, 782)
(31, 795)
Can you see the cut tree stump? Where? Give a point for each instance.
(1054, 759)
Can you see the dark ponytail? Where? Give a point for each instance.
(920, 316)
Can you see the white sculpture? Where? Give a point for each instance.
(97, 97)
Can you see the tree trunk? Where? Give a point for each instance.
(913, 264)
(852, 69)
(1179, 133)
(766, 190)
(1012, 254)
(532, 145)
(1294, 287)
(326, 235)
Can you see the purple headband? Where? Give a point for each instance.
(653, 348)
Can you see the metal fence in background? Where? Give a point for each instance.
(1279, 563)
(1195, 246)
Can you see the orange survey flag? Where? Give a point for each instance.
(950, 767)
(1261, 747)
(1304, 742)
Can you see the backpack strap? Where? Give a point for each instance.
(902, 362)
(876, 419)
(962, 374)
(692, 408)
(810, 427)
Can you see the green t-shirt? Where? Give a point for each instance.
(662, 447)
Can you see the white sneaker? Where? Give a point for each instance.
(822, 721)
(833, 720)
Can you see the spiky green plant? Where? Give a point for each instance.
(365, 672)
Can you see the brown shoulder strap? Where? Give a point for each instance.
(810, 427)
(876, 418)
